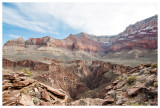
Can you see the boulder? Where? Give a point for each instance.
(134, 70)
(115, 82)
(22, 74)
(24, 83)
(10, 102)
(25, 100)
(8, 76)
(120, 84)
(109, 100)
(112, 93)
(54, 91)
(52, 96)
(5, 81)
(120, 101)
(6, 86)
(45, 95)
(133, 91)
(109, 87)
(140, 85)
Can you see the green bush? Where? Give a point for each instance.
(27, 71)
(154, 65)
(131, 80)
(35, 101)
(25, 90)
(36, 85)
(121, 78)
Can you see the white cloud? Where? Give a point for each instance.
(94, 18)
(14, 36)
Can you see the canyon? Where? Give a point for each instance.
(84, 69)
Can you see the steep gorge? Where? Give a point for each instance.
(76, 77)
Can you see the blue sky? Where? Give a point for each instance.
(58, 20)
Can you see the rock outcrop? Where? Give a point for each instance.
(28, 92)
(142, 34)
(27, 63)
(16, 42)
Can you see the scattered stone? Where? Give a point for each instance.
(121, 84)
(112, 93)
(115, 82)
(134, 70)
(109, 100)
(153, 71)
(37, 94)
(120, 101)
(35, 89)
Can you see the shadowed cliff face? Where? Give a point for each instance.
(142, 34)
(76, 77)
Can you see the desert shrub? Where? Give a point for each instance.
(131, 80)
(36, 85)
(35, 101)
(121, 78)
(154, 65)
(27, 71)
(25, 90)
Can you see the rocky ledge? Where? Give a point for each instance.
(20, 90)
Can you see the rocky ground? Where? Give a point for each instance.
(134, 87)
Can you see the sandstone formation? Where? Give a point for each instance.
(142, 34)
(16, 42)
